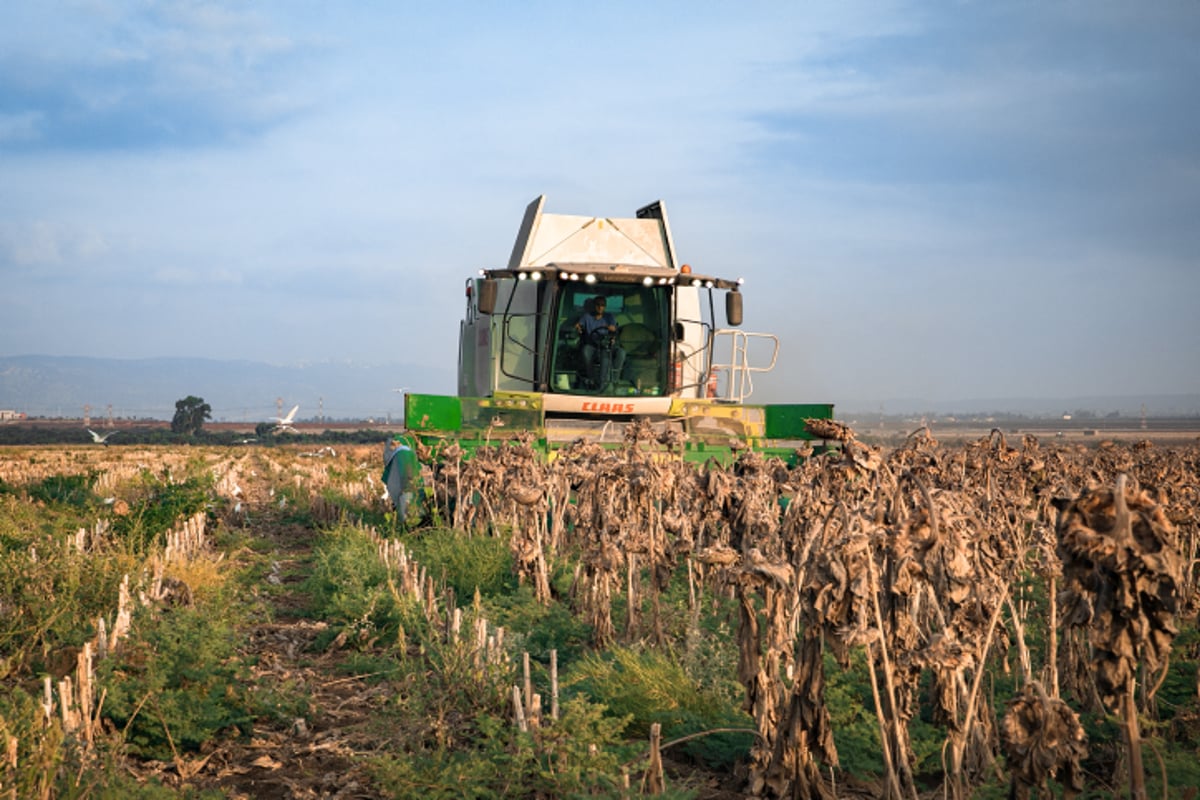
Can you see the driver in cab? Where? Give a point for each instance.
(598, 332)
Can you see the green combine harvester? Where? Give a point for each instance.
(536, 355)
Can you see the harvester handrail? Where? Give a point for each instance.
(738, 371)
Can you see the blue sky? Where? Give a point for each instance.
(934, 200)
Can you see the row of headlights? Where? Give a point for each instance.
(537, 275)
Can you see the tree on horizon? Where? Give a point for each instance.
(190, 414)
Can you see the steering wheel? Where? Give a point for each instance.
(602, 337)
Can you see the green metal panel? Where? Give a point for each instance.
(477, 421)
(500, 415)
(786, 421)
(503, 414)
(432, 412)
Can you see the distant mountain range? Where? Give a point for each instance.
(237, 391)
(244, 391)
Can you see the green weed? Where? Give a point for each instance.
(580, 755)
(466, 562)
(177, 684)
(157, 505)
(649, 686)
(50, 598)
(539, 628)
(350, 588)
(50, 763)
(70, 490)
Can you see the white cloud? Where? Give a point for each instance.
(41, 245)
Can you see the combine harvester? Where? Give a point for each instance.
(523, 365)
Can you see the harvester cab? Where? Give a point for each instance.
(527, 328)
(593, 323)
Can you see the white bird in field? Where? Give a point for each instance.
(285, 423)
(98, 439)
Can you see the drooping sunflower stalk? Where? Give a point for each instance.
(1043, 740)
(919, 559)
(1121, 580)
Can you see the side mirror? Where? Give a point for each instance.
(488, 289)
(678, 332)
(733, 308)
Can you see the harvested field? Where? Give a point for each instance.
(924, 619)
